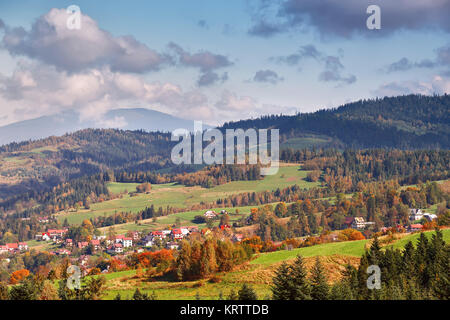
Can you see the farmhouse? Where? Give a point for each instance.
(95, 244)
(210, 214)
(127, 242)
(415, 227)
(177, 234)
(358, 223)
(429, 216)
(415, 214)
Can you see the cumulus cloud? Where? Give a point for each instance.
(333, 67)
(307, 51)
(437, 85)
(38, 89)
(209, 78)
(268, 76)
(50, 41)
(442, 59)
(346, 18)
(231, 101)
(205, 61)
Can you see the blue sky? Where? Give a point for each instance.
(217, 60)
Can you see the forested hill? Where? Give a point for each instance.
(406, 122)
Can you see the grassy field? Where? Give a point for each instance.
(306, 142)
(350, 248)
(179, 196)
(186, 218)
(414, 237)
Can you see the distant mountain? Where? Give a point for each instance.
(406, 122)
(57, 125)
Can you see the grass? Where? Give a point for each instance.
(179, 196)
(415, 236)
(349, 248)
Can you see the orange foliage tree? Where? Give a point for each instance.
(18, 276)
(350, 235)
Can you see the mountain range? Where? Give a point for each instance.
(67, 122)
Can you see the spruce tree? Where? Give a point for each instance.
(247, 293)
(300, 287)
(319, 286)
(282, 283)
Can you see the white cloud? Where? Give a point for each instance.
(50, 41)
(437, 85)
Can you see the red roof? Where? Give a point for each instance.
(127, 239)
(176, 231)
(95, 242)
(416, 226)
(12, 245)
(120, 237)
(118, 245)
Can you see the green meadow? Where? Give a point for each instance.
(179, 196)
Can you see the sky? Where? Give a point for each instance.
(216, 61)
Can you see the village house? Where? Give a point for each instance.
(119, 238)
(177, 234)
(148, 241)
(429, 216)
(118, 248)
(63, 252)
(3, 249)
(358, 223)
(68, 243)
(415, 227)
(82, 245)
(415, 214)
(210, 214)
(23, 246)
(96, 244)
(172, 245)
(43, 220)
(158, 234)
(135, 235)
(127, 242)
(185, 231)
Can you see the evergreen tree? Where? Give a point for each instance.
(300, 286)
(247, 293)
(282, 283)
(319, 286)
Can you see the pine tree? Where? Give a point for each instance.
(300, 288)
(319, 286)
(282, 283)
(247, 293)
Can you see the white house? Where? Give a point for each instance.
(415, 214)
(358, 223)
(210, 214)
(127, 242)
(429, 216)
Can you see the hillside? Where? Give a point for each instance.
(407, 122)
(258, 273)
